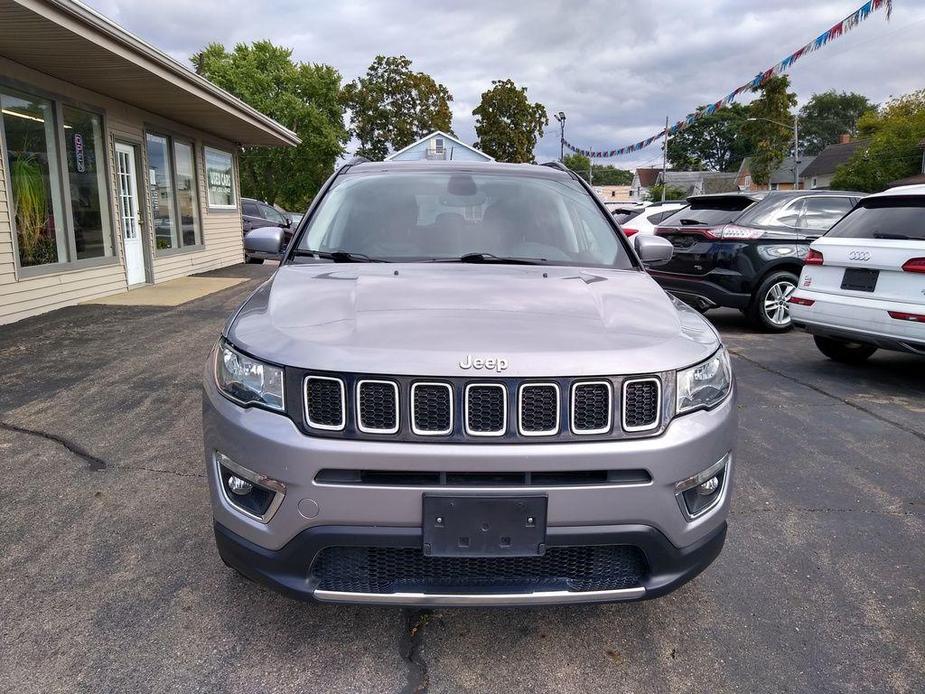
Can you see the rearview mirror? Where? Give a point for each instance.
(266, 242)
(652, 250)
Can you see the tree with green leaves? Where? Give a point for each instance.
(895, 132)
(604, 175)
(671, 192)
(827, 116)
(770, 131)
(713, 142)
(507, 124)
(303, 97)
(392, 106)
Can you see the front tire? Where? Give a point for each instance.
(769, 310)
(844, 352)
(253, 261)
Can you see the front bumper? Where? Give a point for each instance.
(287, 570)
(311, 515)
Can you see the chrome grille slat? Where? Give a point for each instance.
(431, 408)
(591, 407)
(377, 406)
(325, 403)
(538, 409)
(486, 409)
(642, 404)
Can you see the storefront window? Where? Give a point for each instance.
(220, 178)
(160, 186)
(187, 201)
(87, 180)
(29, 139)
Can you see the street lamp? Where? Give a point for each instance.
(796, 144)
(560, 116)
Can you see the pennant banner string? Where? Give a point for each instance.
(842, 27)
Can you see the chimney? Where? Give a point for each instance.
(844, 139)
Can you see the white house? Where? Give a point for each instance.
(439, 146)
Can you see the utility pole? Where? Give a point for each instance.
(560, 116)
(665, 160)
(796, 151)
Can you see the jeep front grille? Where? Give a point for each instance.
(409, 408)
(486, 409)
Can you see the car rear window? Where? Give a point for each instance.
(709, 211)
(814, 213)
(623, 215)
(884, 218)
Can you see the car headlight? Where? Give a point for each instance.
(248, 381)
(705, 384)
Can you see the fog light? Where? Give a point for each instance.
(698, 494)
(239, 486)
(708, 487)
(254, 495)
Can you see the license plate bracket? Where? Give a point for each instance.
(860, 279)
(484, 526)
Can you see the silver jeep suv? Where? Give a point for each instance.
(461, 387)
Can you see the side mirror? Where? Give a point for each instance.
(288, 222)
(264, 242)
(652, 250)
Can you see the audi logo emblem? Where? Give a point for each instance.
(859, 255)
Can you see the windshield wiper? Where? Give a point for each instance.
(490, 258)
(338, 256)
(897, 237)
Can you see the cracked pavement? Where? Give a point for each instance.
(110, 580)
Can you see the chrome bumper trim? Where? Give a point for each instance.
(553, 597)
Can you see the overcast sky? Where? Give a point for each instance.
(616, 67)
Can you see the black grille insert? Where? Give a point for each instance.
(324, 402)
(591, 407)
(432, 408)
(539, 409)
(406, 569)
(486, 409)
(641, 404)
(377, 406)
(433, 478)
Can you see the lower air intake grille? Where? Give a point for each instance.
(324, 402)
(640, 404)
(406, 569)
(486, 409)
(591, 407)
(377, 406)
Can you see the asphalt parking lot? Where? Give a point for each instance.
(110, 580)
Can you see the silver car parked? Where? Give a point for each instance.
(461, 387)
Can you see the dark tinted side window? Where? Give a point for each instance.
(659, 216)
(884, 218)
(623, 216)
(821, 212)
(709, 211)
(250, 209)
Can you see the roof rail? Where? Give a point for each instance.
(556, 165)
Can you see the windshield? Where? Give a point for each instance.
(709, 211)
(416, 216)
(898, 218)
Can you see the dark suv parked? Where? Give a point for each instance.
(746, 250)
(256, 214)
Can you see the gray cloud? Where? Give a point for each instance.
(616, 67)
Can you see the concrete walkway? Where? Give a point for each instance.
(170, 293)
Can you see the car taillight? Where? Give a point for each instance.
(814, 258)
(801, 301)
(629, 232)
(914, 265)
(901, 315)
(734, 231)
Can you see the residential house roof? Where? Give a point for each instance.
(440, 133)
(647, 177)
(832, 157)
(783, 173)
(700, 182)
(74, 43)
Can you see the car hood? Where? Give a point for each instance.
(424, 319)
